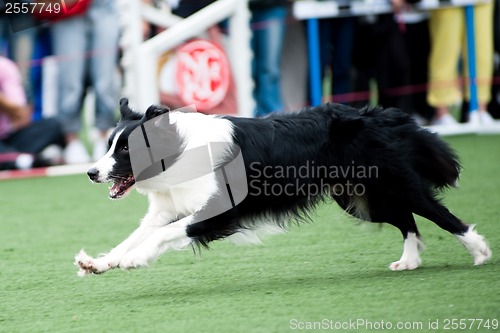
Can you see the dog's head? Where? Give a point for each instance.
(116, 166)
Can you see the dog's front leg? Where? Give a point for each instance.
(88, 265)
(176, 235)
(171, 236)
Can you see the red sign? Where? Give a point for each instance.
(202, 74)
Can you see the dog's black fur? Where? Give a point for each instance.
(412, 163)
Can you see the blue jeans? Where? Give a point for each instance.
(89, 40)
(268, 32)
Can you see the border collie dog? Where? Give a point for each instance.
(376, 163)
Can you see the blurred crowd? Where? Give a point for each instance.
(412, 60)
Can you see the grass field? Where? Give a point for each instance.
(331, 269)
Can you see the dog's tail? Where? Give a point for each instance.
(435, 161)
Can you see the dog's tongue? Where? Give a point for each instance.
(120, 187)
(114, 190)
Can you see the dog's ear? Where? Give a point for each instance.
(155, 111)
(125, 111)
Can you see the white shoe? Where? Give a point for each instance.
(444, 120)
(480, 118)
(486, 118)
(76, 153)
(474, 118)
(100, 149)
(24, 161)
(53, 154)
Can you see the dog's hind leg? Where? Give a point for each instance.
(410, 259)
(432, 210)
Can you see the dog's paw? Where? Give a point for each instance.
(405, 264)
(482, 255)
(88, 265)
(85, 263)
(476, 245)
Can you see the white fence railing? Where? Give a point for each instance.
(140, 57)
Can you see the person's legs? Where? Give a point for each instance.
(69, 40)
(69, 45)
(103, 68)
(365, 44)
(6, 148)
(342, 42)
(22, 148)
(393, 68)
(36, 137)
(325, 35)
(103, 63)
(8, 156)
(269, 43)
(418, 46)
(447, 31)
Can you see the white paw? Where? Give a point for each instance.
(482, 255)
(476, 245)
(405, 264)
(88, 265)
(410, 259)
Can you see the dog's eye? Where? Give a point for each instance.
(124, 149)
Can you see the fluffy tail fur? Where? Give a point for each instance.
(435, 161)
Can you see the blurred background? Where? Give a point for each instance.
(65, 64)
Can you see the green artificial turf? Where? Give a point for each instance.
(332, 269)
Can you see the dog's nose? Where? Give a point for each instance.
(93, 174)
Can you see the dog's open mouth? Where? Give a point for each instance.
(121, 186)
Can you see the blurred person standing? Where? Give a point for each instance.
(337, 35)
(447, 28)
(22, 141)
(268, 31)
(417, 43)
(380, 54)
(87, 49)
